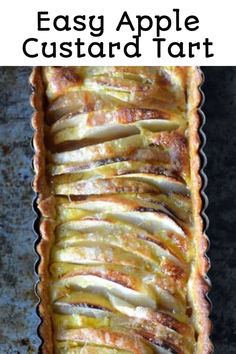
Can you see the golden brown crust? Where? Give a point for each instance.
(46, 221)
(46, 202)
(199, 280)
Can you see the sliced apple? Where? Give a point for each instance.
(175, 204)
(122, 314)
(104, 186)
(113, 83)
(95, 135)
(81, 101)
(107, 118)
(64, 215)
(85, 300)
(67, 321)
(120, 339)
(175, 243)
(86, 225)
(117, 272)
(152, 222)
(167, 294)
(75, 172)
(144, 317)
(98, 253)
(68, 348)
(162, 328)
(150, 251)
(149, 89)
(106, 337)
(119, 165)
(107, 150)
(163, 183)
(88, 312)
(123, 275)
(129, 242)
(159, 162)
(99, 133)
(163, 142)
(156, 90)
(129, 183)
(106, 203)
(139, 295)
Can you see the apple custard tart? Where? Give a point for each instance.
(122, 246)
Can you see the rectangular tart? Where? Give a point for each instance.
(122, 246)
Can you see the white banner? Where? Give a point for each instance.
(124, 32)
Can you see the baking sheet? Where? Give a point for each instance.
(18, 318)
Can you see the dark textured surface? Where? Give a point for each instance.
(220, 129)
(18, 321)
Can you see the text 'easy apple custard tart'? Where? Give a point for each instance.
(122, 247)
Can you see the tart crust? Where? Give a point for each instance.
(198, 282)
